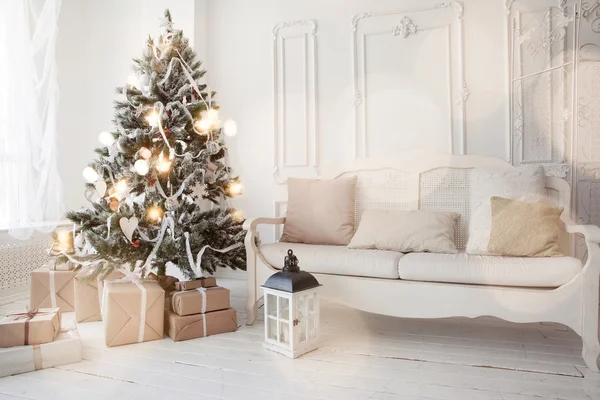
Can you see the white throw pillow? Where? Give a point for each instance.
(406, 231)
(525, 183)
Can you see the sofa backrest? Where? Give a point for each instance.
(430, 183)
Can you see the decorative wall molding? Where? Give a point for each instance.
(310, 23)
(455, 5)
(407, 23)
(556, 170)
(405, 28)
(303, 60)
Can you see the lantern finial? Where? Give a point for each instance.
(290, 263)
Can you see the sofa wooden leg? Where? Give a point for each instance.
(251, 311)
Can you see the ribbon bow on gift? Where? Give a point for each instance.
(28, 315)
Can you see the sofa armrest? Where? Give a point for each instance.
(251, 223)
(590, 232)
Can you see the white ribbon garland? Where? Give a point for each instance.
(196, 266)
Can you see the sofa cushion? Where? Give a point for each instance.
(336, 260)
(488, 270)
(406, 231)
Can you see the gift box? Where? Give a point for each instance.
(65, 349)
(132, 312)
(88, 296)
(199, 325)
(200, 301)
(196, 283)
(51, 289)
(29, 327)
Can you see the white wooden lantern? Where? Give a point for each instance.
(291, 310)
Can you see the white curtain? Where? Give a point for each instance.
(30, 187)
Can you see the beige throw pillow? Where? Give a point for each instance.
(320, 211)
(523, 229)
(406, 231)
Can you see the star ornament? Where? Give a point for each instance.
(166, 23)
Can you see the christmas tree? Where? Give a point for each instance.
(164, 161)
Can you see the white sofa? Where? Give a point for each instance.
(427, 285)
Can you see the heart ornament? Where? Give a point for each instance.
(128, 226)
(101, 187)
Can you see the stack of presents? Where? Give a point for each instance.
(45, 335)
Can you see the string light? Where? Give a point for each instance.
(154, 213)
(235, 188)
(152, 119)
(202, 126)
(121, 186)
(163, 165)
(90, 174)
(65, 240)
(106, 138)
(230, 128)
(237, 215)
(141, 167)
(145, 153)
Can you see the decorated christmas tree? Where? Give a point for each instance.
(161, 186)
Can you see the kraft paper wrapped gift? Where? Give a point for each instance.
(196, 283)
(200, 301)
(88, 295)
(199, 325)
(132, 312)
(51, 289)
(65, 349)
(22, 328)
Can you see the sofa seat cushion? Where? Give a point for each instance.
(336, 260)
(549, 272)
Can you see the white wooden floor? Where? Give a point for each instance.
(364, 356)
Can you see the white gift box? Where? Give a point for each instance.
(66, 349)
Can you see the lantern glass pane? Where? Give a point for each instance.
(284, 308)
(284, 332)
(272, 329)
(272, 305)
(300, 333)
(311, 303)
(312, 331)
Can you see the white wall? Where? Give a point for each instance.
(240, 61)
(97, 41)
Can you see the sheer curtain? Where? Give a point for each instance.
(30, 187)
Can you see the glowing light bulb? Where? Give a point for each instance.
(132, 80)
(90, 174)
(141, 167)
(235, 188)
(145, 153)
(237, 215)
(211, 115)
(230, 128)
(106, 138)
(121, 186)
(154, 213)
(152, 119)
(65, 240)
(163, 164)
(202, 126)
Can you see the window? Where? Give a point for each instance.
(30, 189)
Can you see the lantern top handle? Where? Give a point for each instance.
(290, 264)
